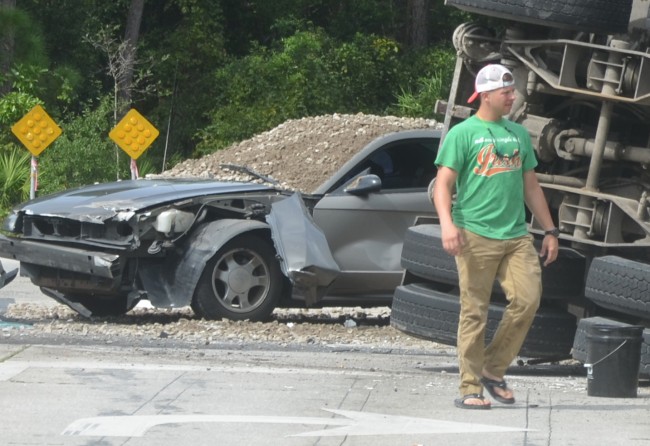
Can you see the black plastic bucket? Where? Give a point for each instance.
(613, 358)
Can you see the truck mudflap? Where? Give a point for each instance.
(303, 251)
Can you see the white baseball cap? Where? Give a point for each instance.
(491, 77)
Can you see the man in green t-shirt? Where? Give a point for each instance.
(489, 160)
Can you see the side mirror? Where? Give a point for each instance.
(363, 185)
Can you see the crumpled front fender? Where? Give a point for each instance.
(301, 246)
(305, 256)
(170, 282)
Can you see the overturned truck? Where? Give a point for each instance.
(582, 72)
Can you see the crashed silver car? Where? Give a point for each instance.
(231, 250)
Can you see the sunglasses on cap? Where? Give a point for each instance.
(507, 78)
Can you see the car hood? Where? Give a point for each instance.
(101, 201)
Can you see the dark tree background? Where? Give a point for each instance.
(208, 73)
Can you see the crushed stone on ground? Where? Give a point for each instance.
(353, 327)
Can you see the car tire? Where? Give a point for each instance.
(242, 281)
(579, 351)
(598, 16)
(424, 257)
(421, 311)
(620, 285)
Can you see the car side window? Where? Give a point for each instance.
(407, 164)
(403, 164)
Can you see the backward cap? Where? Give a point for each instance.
(492, 77)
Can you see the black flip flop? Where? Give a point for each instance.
(491, 384)
(460, 402)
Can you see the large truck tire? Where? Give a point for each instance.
(621, 285)
(424, 257)
(421, 311)
(597, 16)
(579, 351)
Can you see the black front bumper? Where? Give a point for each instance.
(62, 258)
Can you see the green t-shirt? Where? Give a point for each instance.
(490, 159)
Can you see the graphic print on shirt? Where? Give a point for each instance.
(489, 163)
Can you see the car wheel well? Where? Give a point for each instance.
(241, 281)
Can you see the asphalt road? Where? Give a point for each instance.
(129, 395)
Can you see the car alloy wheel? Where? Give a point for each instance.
(242, 281)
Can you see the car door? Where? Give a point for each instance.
(365, 231)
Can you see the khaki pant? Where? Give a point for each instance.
(515, 263)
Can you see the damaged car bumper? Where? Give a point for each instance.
(169, 277)
(78, 260)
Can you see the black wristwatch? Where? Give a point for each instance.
(555, 232)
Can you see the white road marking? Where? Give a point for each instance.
(355, 423)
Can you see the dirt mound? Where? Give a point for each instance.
(300, 153)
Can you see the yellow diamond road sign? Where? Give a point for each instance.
(36, 130)
(134, 134)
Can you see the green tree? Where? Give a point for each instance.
(259, 91)
(21, 43)
(185, 83)
(430, 79)
(312, 74)
(368, 70)
(213, 72)
(64, 24)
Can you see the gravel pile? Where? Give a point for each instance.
(301, 153)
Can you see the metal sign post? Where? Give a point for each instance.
(33, 178)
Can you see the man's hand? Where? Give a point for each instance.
(549, 249)
(452, 239)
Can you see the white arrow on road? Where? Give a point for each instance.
(355, 423)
